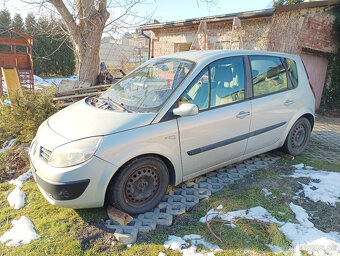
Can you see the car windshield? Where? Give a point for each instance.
(148, 87)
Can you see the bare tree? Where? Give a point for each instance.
(86, 20)
(86, 29)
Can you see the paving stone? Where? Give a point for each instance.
(163, 218)
(147, 225)
(186, 196)
(128, 235)
(172, 208)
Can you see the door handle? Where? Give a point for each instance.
(288, 102)
(242, 114)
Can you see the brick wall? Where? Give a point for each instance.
(254, 34)
(304, 28)
(288, 31)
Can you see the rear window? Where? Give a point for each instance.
(292, 72)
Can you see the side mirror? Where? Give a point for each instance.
(186, 109)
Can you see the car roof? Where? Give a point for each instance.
(200, 56)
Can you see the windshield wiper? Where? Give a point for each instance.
(117, 105)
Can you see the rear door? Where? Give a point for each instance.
(274, 101)
(217, 133)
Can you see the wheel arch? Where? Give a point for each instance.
(168, 163)
(304, 113)
(310, 118)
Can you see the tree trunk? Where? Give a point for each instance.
(86, 33)
(87, 52)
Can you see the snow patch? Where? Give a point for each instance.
(19, 182)
(52, 81)
(299, 166)
(220, 207)
(23, 232)
(10, 143)
(17, 198)
(266, 192)
(275, 248)
(255, 213)
(180, 244)
(304, 235)
(326, 189)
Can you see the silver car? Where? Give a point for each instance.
(172, 119)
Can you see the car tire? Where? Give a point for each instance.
(298, 137)
(139, 185)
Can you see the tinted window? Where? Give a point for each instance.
(269, 75)
(292, 72)
(227, 81)
(198, 91)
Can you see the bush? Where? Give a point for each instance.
(14, 158)
(22, 118)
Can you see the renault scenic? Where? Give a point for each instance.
(172, 119)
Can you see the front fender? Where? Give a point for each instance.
(160, 139)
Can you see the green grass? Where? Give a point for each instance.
(60, 228)
(75, 232)
(316, 163)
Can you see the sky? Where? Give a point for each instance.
(164, 10)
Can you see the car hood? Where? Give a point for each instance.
(81, 120)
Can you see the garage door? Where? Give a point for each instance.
(316, 68)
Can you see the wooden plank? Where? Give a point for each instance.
(13, 41)
(98, 88)
(75, 96)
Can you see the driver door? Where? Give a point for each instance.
(218, 133)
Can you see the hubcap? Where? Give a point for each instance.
(298, 136)
(142, 185)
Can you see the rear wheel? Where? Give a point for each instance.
(298, 137)
(139, 186)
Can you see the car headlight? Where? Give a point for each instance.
(74, 152)
(34, 146)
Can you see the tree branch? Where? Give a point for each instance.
(67, 16)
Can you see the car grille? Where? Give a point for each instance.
(45, 153)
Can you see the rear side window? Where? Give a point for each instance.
(269, 75)
(292, 72)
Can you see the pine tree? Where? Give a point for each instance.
(5, 23)
(52, 53)
(18, 22)
(5, 20)
(30, 24)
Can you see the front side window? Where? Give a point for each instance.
(269, 75)
(198, 91)
(148, 87)
(227, 81)
(221, 83)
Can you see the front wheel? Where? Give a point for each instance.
(139, 186)
(298, 137)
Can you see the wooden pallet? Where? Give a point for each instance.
(69, 97)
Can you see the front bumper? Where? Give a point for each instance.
(63, 191)
(81, 186)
